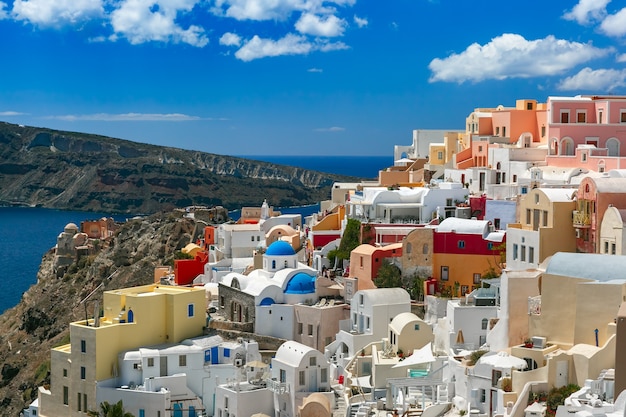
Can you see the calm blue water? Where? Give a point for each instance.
(365, 167)
(26, 234)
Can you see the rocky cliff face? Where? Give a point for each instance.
(41, 320)
(66, 170)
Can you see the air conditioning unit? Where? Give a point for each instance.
(539, 342)
(239, 362)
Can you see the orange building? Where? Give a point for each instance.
(365, 261)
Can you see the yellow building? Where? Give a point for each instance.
(545, 227)
(132, 318)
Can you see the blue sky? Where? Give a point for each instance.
(287, 77)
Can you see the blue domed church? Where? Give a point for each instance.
(263, 300)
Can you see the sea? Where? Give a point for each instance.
(27, 233)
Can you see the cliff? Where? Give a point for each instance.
(76, 171)
(41, 320)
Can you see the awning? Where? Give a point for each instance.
(419, 356)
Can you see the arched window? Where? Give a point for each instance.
(425, 249)
(567, 146)
(612, 146)
(273, 264)
(484, 324)
(131, 316)
(408, 247)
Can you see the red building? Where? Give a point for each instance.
(186, 270)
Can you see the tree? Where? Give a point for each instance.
(110, 410)
(349, 241)
(389, 276)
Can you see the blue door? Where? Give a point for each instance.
(178, 410)
(192, 411)
(215, 357)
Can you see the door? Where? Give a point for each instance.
(312, 380)
(444, 273)
(163, 365)
(562, 370)
(481, 183)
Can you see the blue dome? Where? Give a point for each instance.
(267, 301)
(301, 283)
(280, 248)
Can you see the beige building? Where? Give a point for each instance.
(133, 317)
(612, 237)
(417, 252)
(545, 227)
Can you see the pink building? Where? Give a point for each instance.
(593, 197)
(587, 132)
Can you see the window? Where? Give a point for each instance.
(252, 238)
(496, 224)
(367, 323)
(190, 310)
(483, 325)
(448, 201)
(600, 117)
(581, 117)
(606, 247)
(142, 412)
(536, 198)
(283, 376)
(65, 372)
(583, 156)
(324, 375)
(66, 394)
(444, 273)
(312, 361)
(182, 360)
(79, 402)
(477, 277)
(416, 327)
(310, 330)
(497, 133)
(622, 117)
(564, 116)
(545, 218)
(464, 289)
(489, 245)
(528, 217)
(524, 190)
(301, 378)
(543, 131)
(440, 155)
(83, 372)
(482, 395)
(150, 362)
(361, 299)
(83, 346)
(461, 244)
(515, 248)
(300, 326)
(523, 253)
(531, 254)
(529, 106)
(273, 264)
(85, 402)
(503, 131)
(612, 248)
(226, 353)
(361, 262)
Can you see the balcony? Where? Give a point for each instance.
(581, 219)
(277, 387)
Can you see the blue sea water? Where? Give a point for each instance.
(364, 167)
(26, 234)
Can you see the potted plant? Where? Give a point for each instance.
(528, 342)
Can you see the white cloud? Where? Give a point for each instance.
(360, 22)
(3, 13)
(142, 21)
(275, 9)
(621, 58)
(597, 80)
(230, 39)
(128, 117)
(587, 11)
(512, 56)
(56, 12)
(615, 24)
(10, 113)
(260, 48)
(315, 70)
(328, 26)
(330, 129)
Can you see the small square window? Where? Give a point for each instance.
(417, 327)
(150, 362)
(313, 361)
(182, 360)
(190, 310)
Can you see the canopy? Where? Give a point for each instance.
(419, 356)
(256, 364)
(503, 360)
(362, 381)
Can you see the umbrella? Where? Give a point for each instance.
(256, 364)
(419, 356)
(460, 340)
(503, 360)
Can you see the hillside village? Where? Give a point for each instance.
(481, 274)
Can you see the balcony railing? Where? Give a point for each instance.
(277, 387)
(581, 219)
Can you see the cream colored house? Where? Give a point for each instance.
(133, 317)
(612, 236)
(544, 228)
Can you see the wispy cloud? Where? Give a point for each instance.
(587, 11)
(621, 58)
(512, 56)
(3, 13)
(360, 22)
(595, 80)
(328, 26)
(131, 117)
(230, 39)
(330, 129)
(315, 70)
(11, 113)
(57, 13)
(291, 44)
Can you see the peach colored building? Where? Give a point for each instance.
(365, 261)
(593, 197)
(404, 174)
(283, 232)
(99, 229)
(417, 252)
